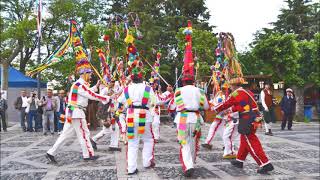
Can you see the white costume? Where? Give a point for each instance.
(136, 92)
(114, 129)
(161, 99)
(223, 120)
(191, 103)
(78, 122)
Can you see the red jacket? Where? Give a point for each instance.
(241, 100)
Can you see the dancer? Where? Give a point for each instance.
(106, 113)
(226, 120)
(242, 101)
(138, 99)
(78, 98)
(189, 101)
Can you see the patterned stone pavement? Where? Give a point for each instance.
(295, 155)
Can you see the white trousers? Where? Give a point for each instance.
(229, 134)
(156, 126)
(188, 151)
(114, 142)
(100, 134)
(133, 147)
(268, 126)
(214, 128)
(122, 121)
(80, 127)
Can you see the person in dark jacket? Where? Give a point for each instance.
(288, 107)
(3, 109)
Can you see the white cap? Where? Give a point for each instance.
(289, 90)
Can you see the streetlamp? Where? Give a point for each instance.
(261, 84)
(281, 84)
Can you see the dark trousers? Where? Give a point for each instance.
(32, 115)
(56, 121)
(289, 118)
(39, 121)
(23, 115)
(3, 120)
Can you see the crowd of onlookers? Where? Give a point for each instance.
(41, 113)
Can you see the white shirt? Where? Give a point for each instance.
(263, 101)
(58, 103)
(136, 91)
(84, 94)
(24, 101)
(191, 100)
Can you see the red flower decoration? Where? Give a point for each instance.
(106, 37)
(132, 49)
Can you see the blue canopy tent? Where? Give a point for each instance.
(19, 80)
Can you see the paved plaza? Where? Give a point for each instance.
(295, 155)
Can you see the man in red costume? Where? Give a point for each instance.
(242, 100)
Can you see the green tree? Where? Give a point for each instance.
(300, 17)
(310, 60)
(18, 30)
(279, 55)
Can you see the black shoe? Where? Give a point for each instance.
(114, 149)
(189, 172)
(24, 129)
(289, 129)
(91, 158)
(51, 158)
(5, 130)
(265, 169)
(207, 146)
(45, 133)
(270, 132)
(94, 144)
(237, 164)
(134, 172)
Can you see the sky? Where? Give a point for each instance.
(243, 17)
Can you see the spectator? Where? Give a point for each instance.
(61, 109)
(49, 105)
(32, 110)
(267, 103)
(56, 112)
(21, 104)
(3, 109)
(39, 117)
(288, 107)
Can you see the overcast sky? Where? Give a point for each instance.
(243, 17)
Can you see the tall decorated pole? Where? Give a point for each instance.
(188, 64)
(39, 21)
(154, 73)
